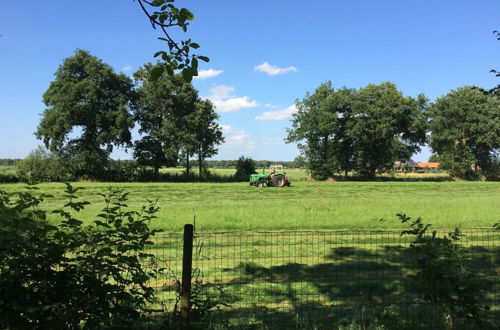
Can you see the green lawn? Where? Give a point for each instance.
(305, 205)
(304, 279)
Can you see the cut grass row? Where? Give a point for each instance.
(306, 205)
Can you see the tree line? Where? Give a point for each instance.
(91, 109)
(366, 130)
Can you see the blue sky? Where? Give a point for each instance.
(264, 55)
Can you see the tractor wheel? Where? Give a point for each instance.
(259, 184)
(279, 180)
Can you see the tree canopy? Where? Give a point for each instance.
(208, 133)
(361, 130)
(386, 127)
(465, 126)
(174, 122)
(87, 112)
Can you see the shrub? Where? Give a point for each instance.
(120, 171)
(41, 165)
(8, 174)
(446, 288)
(245, 166)
(72, 276)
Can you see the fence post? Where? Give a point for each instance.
(187, 265)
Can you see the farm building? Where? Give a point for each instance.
(406, 166)
(428, 166)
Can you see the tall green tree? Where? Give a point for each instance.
(162, 109)
(319, 125)
(174, 123)
(87, 113)
(385, 127)
(465, 132)
(364, 131)
(208, 133)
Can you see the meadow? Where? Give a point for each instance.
(306, 256)
(305, 205)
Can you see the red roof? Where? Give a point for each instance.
(428, 165)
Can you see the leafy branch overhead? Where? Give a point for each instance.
(164, 15)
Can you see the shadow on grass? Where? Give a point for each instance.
(350, 288)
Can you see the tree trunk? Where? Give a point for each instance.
(200, 162)
(187, 163)
(157, 170)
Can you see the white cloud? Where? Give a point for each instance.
(204, 74)
(278, 114)
(271, 106)
(126, 68)
(224, 101)
(236, 140)
(274, 70)
(271, 140)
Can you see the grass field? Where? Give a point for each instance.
(305, 205)
(273, 276)
(313, 279)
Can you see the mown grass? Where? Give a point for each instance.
(305, 205)
(268, 279)
(300, 279)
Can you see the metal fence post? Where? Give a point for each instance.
(187, 266)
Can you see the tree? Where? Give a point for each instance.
(465, 130)
(245, 166)
(385, 127)
(208, 133)
(173, 120)
(162, 108)
(434, 158)
(364, 131)
(87, 112)
(299, 162)
(320, 123)
(163, 14)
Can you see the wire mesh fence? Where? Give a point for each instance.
(310, 279)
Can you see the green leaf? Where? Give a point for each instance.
(189, 15)
(159, 53)
(204, 58)
(187, 74)
(157, 3)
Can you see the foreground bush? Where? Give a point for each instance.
(448, 294)
(71, 276)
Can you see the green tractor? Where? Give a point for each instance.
(276, 178)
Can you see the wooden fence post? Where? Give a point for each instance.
(187, 266)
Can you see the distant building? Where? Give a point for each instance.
(429, 165)
(406, 166)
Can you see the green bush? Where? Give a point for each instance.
(245, 166)
(446, 288)
(41, 165)
(8, 174)
(71, 276)
(120, 171)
